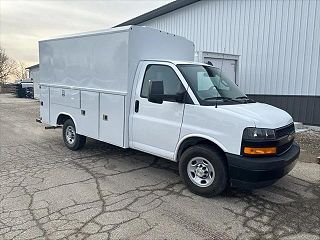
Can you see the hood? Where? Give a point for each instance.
(263, 115)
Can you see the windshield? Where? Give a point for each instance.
(210, 85)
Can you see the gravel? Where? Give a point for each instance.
(309, 142)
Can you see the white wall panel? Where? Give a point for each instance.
(278, 40)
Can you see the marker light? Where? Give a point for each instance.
(260, 150)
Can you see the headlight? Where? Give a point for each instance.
(259, 134)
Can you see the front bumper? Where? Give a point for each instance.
(250, 173)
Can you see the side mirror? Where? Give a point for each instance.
(155, 91)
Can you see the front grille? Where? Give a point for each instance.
(285, 147)
(284, 131)
(285, 137)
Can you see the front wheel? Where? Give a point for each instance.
(71, 139)
(203, 170)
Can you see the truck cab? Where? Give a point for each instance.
(192, 114)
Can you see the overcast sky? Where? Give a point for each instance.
(24, 22)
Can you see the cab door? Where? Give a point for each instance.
(155, 128)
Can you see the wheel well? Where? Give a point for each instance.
(62, 118)
(189, 142)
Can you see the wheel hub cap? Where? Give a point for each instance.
(201, 171)
(70, 135)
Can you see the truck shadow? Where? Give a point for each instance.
(154, 162)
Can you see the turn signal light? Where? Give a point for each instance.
(260, 151)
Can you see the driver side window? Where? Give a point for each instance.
(171, 82)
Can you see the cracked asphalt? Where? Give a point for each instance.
(105, 192)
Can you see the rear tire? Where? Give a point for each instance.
(71, 139)
(203, 170)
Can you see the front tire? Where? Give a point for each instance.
(203, 169)
(71, 139)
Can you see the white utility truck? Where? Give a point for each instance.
(138, 87)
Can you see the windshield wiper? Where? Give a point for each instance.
(242, 97)
(214, 98)
(222, 98)
(245, 98)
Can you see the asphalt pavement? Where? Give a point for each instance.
(105, 192)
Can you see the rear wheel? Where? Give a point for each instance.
(71, 139)
(203, 170)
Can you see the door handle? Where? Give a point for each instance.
(136, 106)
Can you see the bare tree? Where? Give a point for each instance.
(7, 66)
(20, 71)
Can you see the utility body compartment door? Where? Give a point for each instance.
(45, 104)
(155, 128)
(111, 119)
(88, 121)
(65, 97)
